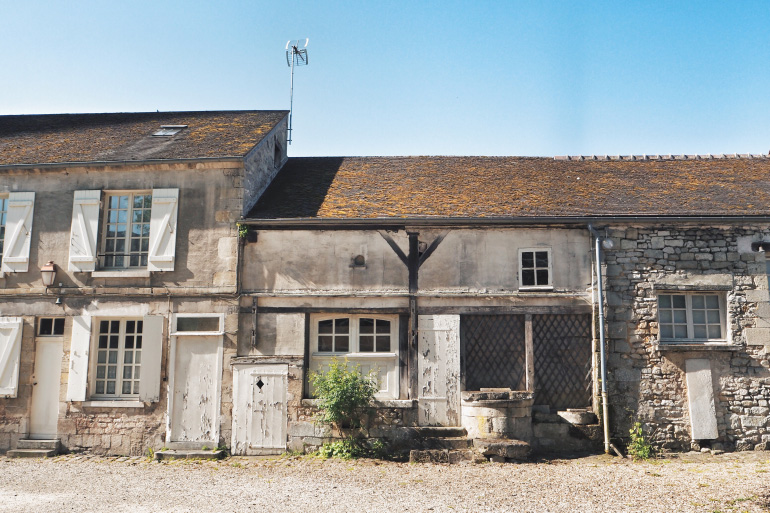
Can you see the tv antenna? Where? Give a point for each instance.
(296, 55)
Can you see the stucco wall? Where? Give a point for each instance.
(478, 261)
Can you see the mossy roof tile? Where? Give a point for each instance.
(479, 187)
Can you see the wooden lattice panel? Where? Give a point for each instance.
(562, 346)
(494, 351)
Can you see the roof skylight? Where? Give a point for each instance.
(168, 130)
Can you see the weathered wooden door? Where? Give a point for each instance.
(44, 411)
(438, 370)
(260, 409)
(194, 408)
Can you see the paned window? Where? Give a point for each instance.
(50, 326)
(127, 230)
(535, 268)
(368, 341)
(3, 215)
(691, 316)
(118, 357)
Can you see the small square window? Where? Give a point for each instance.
(50, 326)
(535, 268)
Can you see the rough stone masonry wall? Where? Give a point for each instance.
(648, 384)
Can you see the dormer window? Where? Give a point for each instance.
(169, 130)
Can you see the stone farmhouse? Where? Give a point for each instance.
(131, 220)
(199, 276)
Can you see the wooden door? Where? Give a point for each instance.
(438, 370)
(260, 409)
(44, 411)
(194, 408)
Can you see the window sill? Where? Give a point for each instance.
(377, 403)
(113, 404)
(696, 346)
(121, 274)
(536, 289)
(354, 355)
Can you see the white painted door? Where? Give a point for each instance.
(44, 412)
(438, 370)
(260, 409)
(195, 389)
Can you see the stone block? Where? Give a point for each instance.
(625, 374)
(657, 242)
(753, 421)
(757, 336)
(550, 430)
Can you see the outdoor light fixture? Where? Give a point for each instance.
(608, 244)
(760, 246)
(48, 272)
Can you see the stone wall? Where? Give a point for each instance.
(646, 379)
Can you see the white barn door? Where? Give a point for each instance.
(438, 370)
(260, 409)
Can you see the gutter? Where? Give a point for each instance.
(603, 356)
(395, 223)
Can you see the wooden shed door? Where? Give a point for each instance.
(438, 370)
(44, 411)
(260, 409)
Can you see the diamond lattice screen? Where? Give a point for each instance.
(494, 351)
(562, 345)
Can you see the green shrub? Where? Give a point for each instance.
(344, 395)
(639, 447)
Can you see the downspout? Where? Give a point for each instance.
(603, 356)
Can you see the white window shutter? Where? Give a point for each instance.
(77, 384)
(18, 232)
(163, 230)
(10, 353)
(85, 227)
(152, 350)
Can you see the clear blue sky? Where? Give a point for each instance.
(414, 77)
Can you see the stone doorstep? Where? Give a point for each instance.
(174, 454)
(31, 453)
(50, 445)
(516, 450)
(444, 456)
(438, 432)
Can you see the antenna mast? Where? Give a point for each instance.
(296, 55)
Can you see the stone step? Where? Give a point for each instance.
(50, 445)
(173, 454)
(31, 453)
(502, 450)
(444, 456)
(444, 443)
(439, 432)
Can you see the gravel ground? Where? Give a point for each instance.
(689, 482)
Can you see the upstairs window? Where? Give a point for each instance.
(699, 317)
(127, 230)
(123, 233)
(535, 269)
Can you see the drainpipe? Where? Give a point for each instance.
(603, 357)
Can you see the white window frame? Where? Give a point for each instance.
(386, 364)
(175, 320)
(129, 223)
(549, 285)
(94, 363)
(689, 318)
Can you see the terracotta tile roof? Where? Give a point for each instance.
(478, 187)
(57, 138)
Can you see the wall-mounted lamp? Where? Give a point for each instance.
(760, 246)
(608, 244)
(48, 272)
(58, 300)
